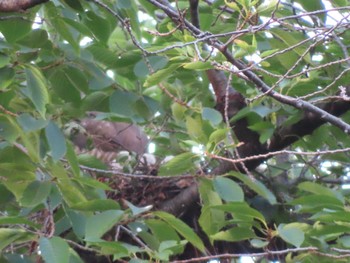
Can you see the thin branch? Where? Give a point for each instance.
(270, 154)
(139, 176)
(81, 246)
(2, 108)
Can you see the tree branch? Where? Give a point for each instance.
(18, 5)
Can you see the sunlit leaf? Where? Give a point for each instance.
(179, 164)
(291, 234)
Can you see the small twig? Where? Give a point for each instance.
(156, 33)
(139, 176)
(134, 237)
(2, 108)
(266, 155)
(81, 247)
(175, 99)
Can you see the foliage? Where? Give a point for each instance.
(134, 63)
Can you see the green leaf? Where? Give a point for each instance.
(291, 233)
(178, 111)
(54, 250)
(95, 101)
(13, 236)
(56, 21)
(99, 224)
(181, 163)
(195, 129)
(331, 216)
(263, 111)
(7, 75)
(91, 161)
(211, 115)
(268, 53)
(340, 2)
(198, 65)
(37, 38)
(258, 243)
(211, 220)
(182, 229)
(261, 126)
(315, 188)
(315, 203)
(228, 190)
(78, 222)
(37, 87)
(138, 210)
(8, 130)
(72, 159)
(56, 141)
(94, 183)
(267, 7)
(16, 220)
(291, 39)
(68, 84)
(141, 69)
(161, 230)
(36, 193)
(232, 5)
(241, 211)
(70, 192)
(96, 205)
(218, 136)
(161, 75)
(122, 103)
(256, 186)
(110, 247)
(314, 6)
(74, 257)
(106, 56)
(100, 27)
(14, 29)
(4, 60)
(29, 123)
(234, 234)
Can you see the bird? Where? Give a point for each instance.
(105, 138)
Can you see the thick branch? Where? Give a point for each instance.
(286, 135)
(18, 5)
(229, 102)
(182, 202)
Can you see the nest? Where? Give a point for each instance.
(145, 191)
